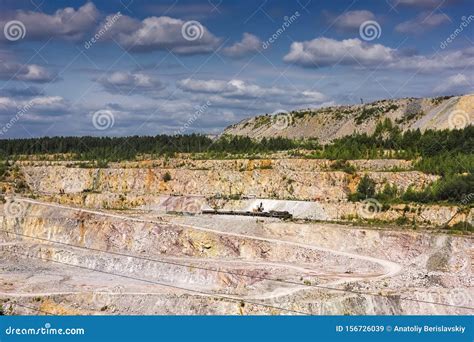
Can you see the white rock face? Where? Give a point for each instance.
(305, 188)
(291, 179)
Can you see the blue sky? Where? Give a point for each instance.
(135, 67)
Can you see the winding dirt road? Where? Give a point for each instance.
(390, 268)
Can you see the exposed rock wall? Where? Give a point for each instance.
(294, 164)
(281, 179)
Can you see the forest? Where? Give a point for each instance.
(386, 142)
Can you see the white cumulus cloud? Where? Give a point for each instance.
(10, 69)
(162, 33)
(231, 93)
(124, 82)
(321, 52)
(249, 44)
(325, 51)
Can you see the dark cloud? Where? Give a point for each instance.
(350, 20)
(66, 23)
(36, 107)
(21, 92)
(10, 70)
(425, 21)
(188, 11)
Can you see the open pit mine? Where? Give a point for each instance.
(225, 237)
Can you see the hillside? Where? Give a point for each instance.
(329, 123)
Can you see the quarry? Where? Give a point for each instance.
(132, 239)
(251, 158)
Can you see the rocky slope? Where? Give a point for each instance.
(64, 260)
(327, 124)
(300, 179)
(307, 188)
